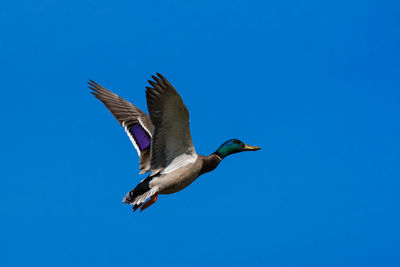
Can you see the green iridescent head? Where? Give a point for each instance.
(233, 146)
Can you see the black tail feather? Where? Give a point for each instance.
(140, 189)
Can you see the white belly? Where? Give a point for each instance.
(177, 185)
(177, 180)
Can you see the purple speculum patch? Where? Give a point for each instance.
(142, 138)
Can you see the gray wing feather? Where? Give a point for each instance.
(170, 117)
(126, 114)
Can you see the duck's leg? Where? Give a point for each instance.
(149, 202)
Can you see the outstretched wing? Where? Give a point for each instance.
(170, 117)
(137, 124)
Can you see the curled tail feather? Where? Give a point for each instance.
(140, 193)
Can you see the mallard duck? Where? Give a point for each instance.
(162, 141)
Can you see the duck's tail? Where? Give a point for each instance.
(140, 194)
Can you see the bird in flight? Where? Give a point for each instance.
(162, 141)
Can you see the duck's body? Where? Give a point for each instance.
(163, 141)
(175, 179)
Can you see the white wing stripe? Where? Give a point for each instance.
(144, 127)
(132, 139)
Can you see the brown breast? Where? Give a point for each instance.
(209, 163)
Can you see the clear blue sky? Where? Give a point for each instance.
(314, 83)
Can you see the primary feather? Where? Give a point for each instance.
(170, 118)
(137, 124)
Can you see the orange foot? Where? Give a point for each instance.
(149, 202)
(135, 207)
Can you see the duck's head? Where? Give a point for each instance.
(233, 146)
